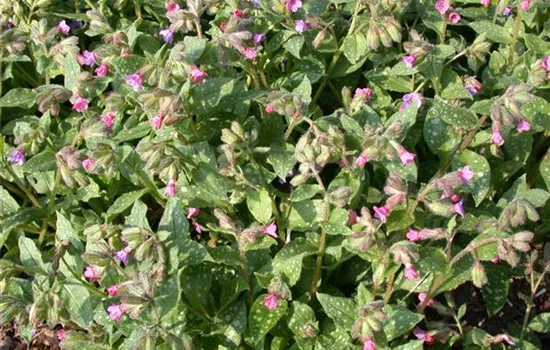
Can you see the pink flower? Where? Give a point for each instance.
(381, 213)
(523, 125)
(369, 344)
(293, 5)
(170, 190)
(409, 61)
(108, 119)
(414, 235)
(269, 108)
(454, 198)
(507, 11)
(125, 53)
(485, 3)
(113, 290)
(545, 64)
(495, 260)
(271, 230)
(80, 104)
(250, 53)
(423, 335)
(172, 7)
(496, 137)
(466, 174)
(454, 17)
(167, 35)
(17, 157)
(237, 13)
(364, 93)
(123, 255)
(135, 81)
(525, 4)
(63, 28)
(458, 208)
(193, 212)
(197, 226)
(102, 70)
(156, 121)
(422, 297)
(300, 26)
(197, 74)
(406, 157)
(87, 58)
(410, 272)
(361, 161)
(409, 98)
(271, 302)
(88, 164)
(442, 6)
(60, 334)
(223, 26)
(352, 217)
(91, 273)
(115, 312)
(258, 38)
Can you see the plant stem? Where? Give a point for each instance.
(246, 274)
(198, 26)
(137, 6)
(529, 307)
(515, 34)
(23, 188)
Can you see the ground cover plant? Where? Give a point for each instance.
(274, 174)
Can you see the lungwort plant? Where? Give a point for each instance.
(274, 174)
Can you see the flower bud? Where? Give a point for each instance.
(373, 37)
(385, 37)
(506, 253)
(394, 28)
(479, 277)
(340, 196)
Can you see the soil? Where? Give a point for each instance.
(44, 339)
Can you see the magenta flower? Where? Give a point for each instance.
(271, 230)
(496, 137)
(108, 119)
(115, 312)
(406, 157)
(123, 255)
(381, 213)
(80, 104)
(250, 53)
(91, 273)
(258, 38)
(167, 35)
(192, 212)
(369, 344)
(170, 190)
(458, 207)
(410, 98)
(352, 217)
(300, 26)
(442, 6)
(197, 74)
(364, 93)
(422, 297)
(88, 164)
(485, 3)
(87, 58)
(113, 290)
(495, 260)
(414, 235)
(361, 161)
(197, 226)
(271, 302)
(293, 5)
(61, 334)
(507, 11)
(223, 26)
(523, 125)
(423, 335)
(135, 81)
(269, 108)
(102, 70)
(172, 7)
(156, 121)
(410, 272)
(237, 13)
(454, 198)
(63, 28)
(125, 53)
(409, 61)
(17, 157)
(454, 17)
(545, 64)
(466, 174)
(525, 4)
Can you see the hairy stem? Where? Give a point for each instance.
(517, 25)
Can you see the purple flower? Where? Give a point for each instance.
(88, 164)
(523, 125)
(293, 5)
(257, 38)
(87, 58)
(363, 93)
(63, 28)
(414, 235)
(496, 137)
(135, 81)
(409, 61)
(410, 272)
(115, 312)
(410, 98)
(197, 226)
(300, 26)
(423, 335)
(507, 11)
(91, 273)
(422, 297)
(167, 35)
(271, 230)
(271, 302)
(170, 190)
(381, 213)
(458, 207)
(192, 212)
(256, 3)
(442, 6)
(466, 174)
(525, 4)
(17, 157)
(406, 157)
(545, 64)
(250, 53)
(123, 255)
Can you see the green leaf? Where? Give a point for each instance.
(494, 32)
(441, 138)
(123, 202)
(71, 70)
(452, 86)
(77, 302)
(342, 311)
(65, 231)
(458, 117)
(174, 220)
(392, 82)
(540, 323)
(44, 161)
(288, 261)
(537, 111)
(21, 217)
(259, 204)
(281, 157)
(316, 8)
(129, 64)
(411, 345)
(355, 46)
(8, 205)
(294, 45)
(495, 292)
(138, 216)
(194, 47)
(536, 197)
(399, 321)
(29, 255)
(196, 283)
(305, 191)
(261, 320)
(304, 90)
(479, 187)
(19, 97)
(304, 215)
(168, 295)
(545, 172)
(301, 315)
